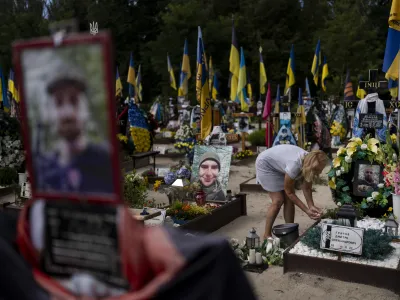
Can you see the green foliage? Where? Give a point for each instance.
(186, 211)
(376, 244)
(135, 190)
(257, 138)
(8, 176)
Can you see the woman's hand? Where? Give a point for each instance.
(315, 209)
(313, 215)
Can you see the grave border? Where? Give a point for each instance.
(246, 187)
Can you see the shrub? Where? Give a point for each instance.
(257, 138)
(135, 190)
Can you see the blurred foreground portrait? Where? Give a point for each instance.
(68, 119)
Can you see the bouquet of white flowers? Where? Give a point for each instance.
(184, 133)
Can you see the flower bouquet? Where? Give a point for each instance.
(392, 180)
(182, 212)
(243, 154)
(135, 190)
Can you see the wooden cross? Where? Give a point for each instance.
(373, 81)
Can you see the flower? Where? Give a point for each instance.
(372, 145)
(338, 173)
(336, 162)
(393, 137)
(157, 185)
(342, 170)
(339, 204)
(332, 183)
(348, 159)
(381, 185)
(375, 195)
(370, 199)
(364, 147)
(169, 178)
(390, 209)
(341, 151)
(351, 148)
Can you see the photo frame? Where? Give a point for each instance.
(213, 175)
(67, 102)
(367, 176)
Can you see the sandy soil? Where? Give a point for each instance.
(273, 284)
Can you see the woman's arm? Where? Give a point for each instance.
(307, 191)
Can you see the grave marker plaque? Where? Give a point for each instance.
(342, 239)
(371, 121)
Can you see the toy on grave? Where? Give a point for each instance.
(370, 117)
(216, 138)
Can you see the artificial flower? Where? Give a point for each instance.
(332, 183)
(336, 162)
(342, 170)
(390, 209)
(356, 140)
(338, 173)
(364, 147)
(393, 137)
(341, 151)
(370, 199)
(381, 185)
(372, 145)
(348, 159)
(375, 195)
(339, 204)
(351, 148)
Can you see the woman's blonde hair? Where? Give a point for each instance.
(311, 162)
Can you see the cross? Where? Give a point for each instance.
(373, 81)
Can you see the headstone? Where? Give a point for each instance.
(342, 239)
(371, 121)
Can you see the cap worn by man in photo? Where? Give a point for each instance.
(210, 156)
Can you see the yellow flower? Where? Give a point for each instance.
(372, 145)
(394, 138)
(332, 183)
(390, 209)
(356, 140)
(336, 162)
(341, 151)
(385, 215)
(351, 148)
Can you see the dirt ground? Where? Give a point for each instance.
(273, 284)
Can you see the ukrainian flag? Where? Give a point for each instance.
(301, 119)
(316, 62)
(172, 81)
(361, 93)
(393, 88)
(215, 88)
(391, 60)
(263, 74)
(290, 79)
(203, 95)
(118, 85)
(210, 74)
(348, 88)
(3, 92)
(277, 110)
(132, 78)
(249, 89)
(234, 66)
(242, 95)
(325, 74)
(139, 84)
(12, 87)
(185, 72)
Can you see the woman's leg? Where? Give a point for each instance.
(278, 199)
(288, 210)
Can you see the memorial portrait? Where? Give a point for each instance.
(211, 165)
(367, 176)
(69, 119)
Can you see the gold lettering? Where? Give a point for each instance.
(348, 104)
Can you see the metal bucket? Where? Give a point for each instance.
(287, 233)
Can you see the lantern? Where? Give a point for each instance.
(252, 240)
(347, 216)
(392, 227)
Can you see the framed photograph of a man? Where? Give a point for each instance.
(69, 111)
(367, 176)
(211, 165)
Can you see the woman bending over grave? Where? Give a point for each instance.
(278, 170)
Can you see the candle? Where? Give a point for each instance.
(252, 256)
(258, 258)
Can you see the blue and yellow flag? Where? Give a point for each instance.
(300, 119)
(234, 66)
(393, 88)
(361, 93)
(185, 72)
(172, 81)
(215, 88)
(263, 74)
(118, 84)
(290, 79)
(249, 89)
(139, 84)
(325, 74)
(391, 60)
(203, 95)
(242, 94)
(316, 62)
(3, 92)
(277, 111)
(210, 74)
(12, 87)
(348, 88)
(132, 78)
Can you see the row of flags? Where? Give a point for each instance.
(134, 82)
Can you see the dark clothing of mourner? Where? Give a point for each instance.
(88, 172)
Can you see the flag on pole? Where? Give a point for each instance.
(316, 62)
(234, 66)
(348, 88)
(361, 93)
(202, 92)
(277, 110)
(12, 87)
(266, 116)
(393, 88)
(391, 59)
(242, 94)
(215, 88)
(139, 84)
(249, 89)
(172, 81)
(3, 92)
(118, 85)
(290, 79)
(132, 78)
(185, 72)
(210, 74)
(325, 74)
(263, 74)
